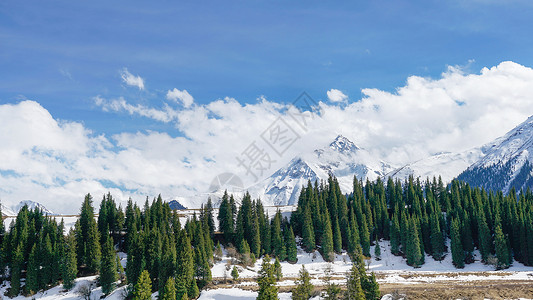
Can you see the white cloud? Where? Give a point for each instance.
(166, 115)
(55, 162)
(131, 79)
(186, 99)
(335, 95)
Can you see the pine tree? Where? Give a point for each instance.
(327, 240)
(292, 251)
(372, 291)
(502, 250)
(337, 237)
(414, 255)
(69, 265)
(304, 288)
(377, 250)
(87, 239)
(209, 216)
(235, 273)
(169, 291)
(181, 287)
(277, 269)
(395, 235)
(365, 238)
(185, 264)
(267, 281)
(458, 255)
(225, 218)
(308, 235)
(485, 239)
(277, 239)
(143, 287)
(108, 267)
(136, 263)
(32, 275)
(437, 238)
(16, 270)
(354, 291)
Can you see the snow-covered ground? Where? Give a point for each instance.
(391, 268)
(59, 293)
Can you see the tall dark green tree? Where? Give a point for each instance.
(304, 288)
(108, 267)
(414, 255)
(502, 250)
(292, 251)
(69, 268)
(32, 274)
(267, 281)
(143, 287)
(327, 240)
(458, 255)
(87, 237)
(16, 271)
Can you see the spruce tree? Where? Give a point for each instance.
(377, 250)
(108, 267)
(437, 238)
(337, 236)
(414, 255)
(87, 238)
(354, 291)
(169, 291)
(143, 287)
(395, 235)
(16, 270)
(69, 266)
(308, 235)
(32, 274)
(458, 255)
(502, 250)
(365, 238)
(372, 291)
(304, 288)
(292, 251)
(327, 240)
(235, 273)
(181, 287)
(277, 269)
(267, 281)
(185, 264)
(485, 239)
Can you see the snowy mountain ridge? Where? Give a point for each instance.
(13, 210)
(445, 164)
(341, 158)
(507, 162)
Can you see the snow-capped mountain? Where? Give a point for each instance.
(6, 211)
(13, 210)
(447, 165)
(341, 158)
(507, 162)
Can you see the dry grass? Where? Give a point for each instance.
(463, 290)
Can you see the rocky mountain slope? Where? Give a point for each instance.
(507, 162)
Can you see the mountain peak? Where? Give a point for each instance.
(343, 145)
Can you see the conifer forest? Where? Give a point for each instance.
(164, 255)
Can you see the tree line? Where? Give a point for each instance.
(418, 218)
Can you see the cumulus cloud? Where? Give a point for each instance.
(55, 161)
(182, 96)
(335, 95)
(131, 79)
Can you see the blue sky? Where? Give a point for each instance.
(141, 98)
(63, 53)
